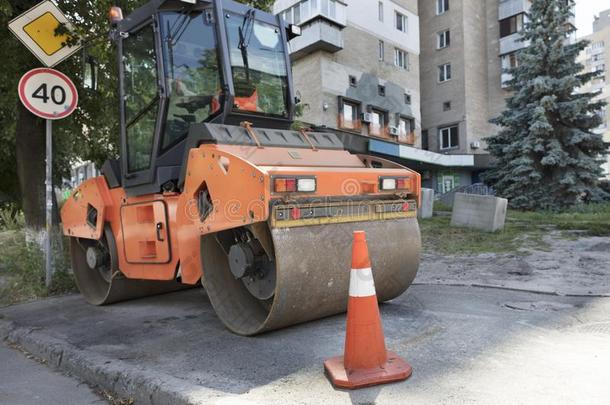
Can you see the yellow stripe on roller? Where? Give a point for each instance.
(371, 216)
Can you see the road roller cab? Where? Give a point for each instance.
(214, 186)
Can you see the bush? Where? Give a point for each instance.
(22, 270)
(11, 218)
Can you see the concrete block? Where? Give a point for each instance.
(483, 212)
(427, 203)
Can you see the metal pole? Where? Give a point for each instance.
(49, 204)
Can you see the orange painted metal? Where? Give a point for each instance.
(238, 180)
(93, 192)
(365, 361)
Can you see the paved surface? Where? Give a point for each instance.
(466, 345)
(24, 381)
(566, 267)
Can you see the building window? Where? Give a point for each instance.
(296, 12)
(511, 25)
(381, 51)
(444, 72)
(447, 106)
(442, 6)
(405, 130)
(381, 90)
(352, 81)
(380, 11)
(443, 39)
(407, 99)
(306, 9)
(424, 139)
(401, 22)
(509, 61)
(378, 122)
(401, 59)
(449, 137)
(349, 112)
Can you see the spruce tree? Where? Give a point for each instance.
(547, 154)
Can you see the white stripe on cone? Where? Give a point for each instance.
(361, 283)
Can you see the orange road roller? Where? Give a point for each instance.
(213, 185)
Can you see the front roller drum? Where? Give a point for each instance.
(312, 267)
(95, 267)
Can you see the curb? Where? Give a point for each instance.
(145, 386)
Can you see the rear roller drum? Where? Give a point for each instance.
(260, 279)
(95, 267)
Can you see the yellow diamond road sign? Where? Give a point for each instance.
(36, 29)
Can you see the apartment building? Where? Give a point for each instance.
(356, 71)
(466, 48)
(355, 66)
(596, 57)
(465, 45)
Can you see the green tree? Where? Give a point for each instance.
(91, 133)
(547, 153)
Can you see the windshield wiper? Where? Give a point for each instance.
(245, 34)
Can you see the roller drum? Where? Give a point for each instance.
(312, 273)
(104, 284)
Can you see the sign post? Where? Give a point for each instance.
(48, 257)
(51, 95)
(46, 92)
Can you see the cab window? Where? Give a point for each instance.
(192, 73)
(258, 65)
(141, 100)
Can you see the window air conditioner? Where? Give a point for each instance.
(367, 117)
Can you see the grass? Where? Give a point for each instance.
(522, 229)
(22, 275)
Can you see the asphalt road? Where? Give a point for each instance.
(24, 381)
(466, 345)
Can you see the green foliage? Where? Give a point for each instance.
(547, 154)
(259, 4)
(11, 218)
(91, 133)
(22, 275)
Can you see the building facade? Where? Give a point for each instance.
(466, 45)
(356, 69)
(596, 57)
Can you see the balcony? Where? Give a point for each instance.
(317, 35)
(321, 23)
(505, 78)
(512, 43)
(509, 8)
(402, 138)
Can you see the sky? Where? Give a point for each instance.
(585, 10)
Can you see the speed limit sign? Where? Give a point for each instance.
(48, 93)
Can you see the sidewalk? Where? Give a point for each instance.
(25, 381)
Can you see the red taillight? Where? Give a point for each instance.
(285, 185)
(295, 213)
(401, 183)
(291, 185)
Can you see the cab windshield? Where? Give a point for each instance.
(192, 73)
(258, 65)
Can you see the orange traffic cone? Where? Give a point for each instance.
(365, 361)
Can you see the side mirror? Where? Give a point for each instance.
(90, 73)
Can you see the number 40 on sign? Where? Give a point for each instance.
(48, 93)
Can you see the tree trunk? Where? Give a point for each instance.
(30, 154)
